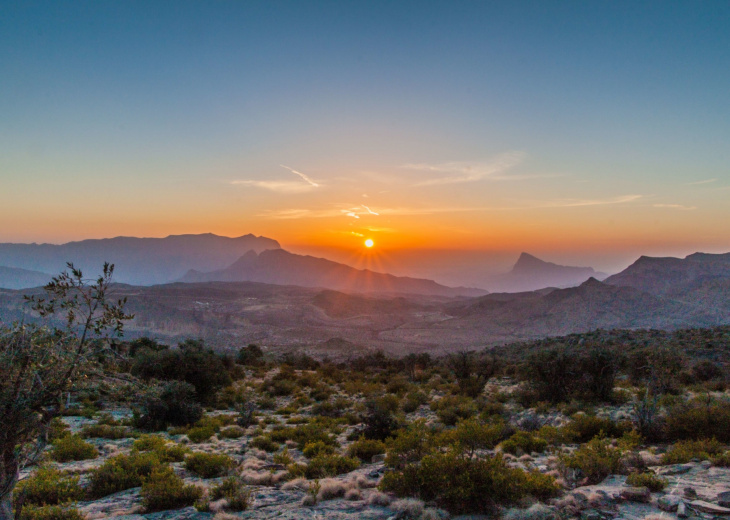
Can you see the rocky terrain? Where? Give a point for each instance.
(697, 489)
(231, 314)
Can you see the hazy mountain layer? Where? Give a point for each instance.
(283, 268)
(16, 278)
(139, 261)
(674, 276)
(530, 273)
(231, 314)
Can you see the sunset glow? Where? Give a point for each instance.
(523, 128)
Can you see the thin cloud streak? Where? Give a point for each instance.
(276, 186)
(675, 206)
(282, 186)
(300, 174)
(460, 172)
(357, 211)
(574, 203)
(706, 181)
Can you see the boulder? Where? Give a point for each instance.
(674, 469)
(723, 499)
(636, 494)
(669, 503)
(709, 507)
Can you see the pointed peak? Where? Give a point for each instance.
(592, 282)
(528, 261)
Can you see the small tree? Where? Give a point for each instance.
(41, 364)
(472, 372)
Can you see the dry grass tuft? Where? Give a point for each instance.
(353, 494)
(298, 484)
(411, 507)
(376, 498)
(331, 488)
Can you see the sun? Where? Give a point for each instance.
(369, 243)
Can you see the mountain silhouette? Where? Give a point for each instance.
(531, 273)
(138, 261)
(280, 267)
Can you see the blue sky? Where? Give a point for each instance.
(151, 118)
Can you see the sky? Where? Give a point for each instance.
(587, 133)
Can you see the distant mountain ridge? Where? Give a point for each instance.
(280, 267)
(17, 278)
(138, 261)
(531, 273)
(671, 276)
(694, 292)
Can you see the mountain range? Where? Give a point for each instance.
(530, 273)
(280, 267)
(138, 261)
(650, 294)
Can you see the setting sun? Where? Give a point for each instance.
(369, 242)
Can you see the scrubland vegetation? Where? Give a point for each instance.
(421, 435)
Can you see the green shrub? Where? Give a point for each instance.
(122, 472)
(283, 457)
(330, 466)
(698, 420)
(72, 447)
(172, 453)
(58, 429)
(410, 445)
(47, 486)
(173, 404)
(191, 363)
(165, 450)
(264, 442)
(234, 490)
(304, 434)
(585, 427)
(596, 460)
(31, 512)
(365, 449)
(684, 451)
(465, 485)
(200, 434)
(722, 460)
(251, 355)
(209, 465)
(554, 436)
(150, 443)
(471, 435)
(232, 432)
(163, 490)
(312, 449)
(413, 400)
(380, 420)
(105, 431)
(216, 421)
(647, 480)
(451, 409)
(524, 442)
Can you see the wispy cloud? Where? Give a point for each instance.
(706, 181)
(277, 186)
(675, 206)
(304, 177)
(574, 203)
(282, 186)
(459, 172)
(358, 211)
